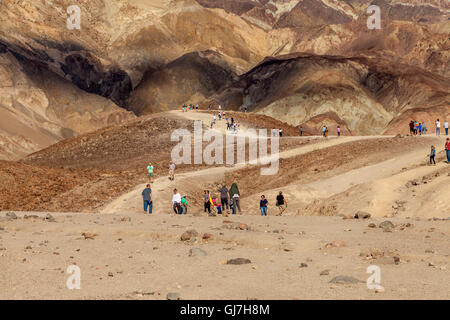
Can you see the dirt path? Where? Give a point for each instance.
(162, 187)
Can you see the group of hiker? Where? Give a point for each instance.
(420, 128)
(189, 107)
(447, 152)
(325, 131)
(229, 200)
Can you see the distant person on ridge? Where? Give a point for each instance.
(432, 155)
(172, 171)
(301, 131)
(338, 131)
(323, 130)
(150, 171)
(447, 149)
(424, 128)
(147, 197)
(446, 127)
(438, 127)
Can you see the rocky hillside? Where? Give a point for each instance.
(153, 55)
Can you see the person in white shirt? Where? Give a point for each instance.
(176, 200)
(446, 127)
(438, 127)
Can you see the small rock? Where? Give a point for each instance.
(49, 218)
(188, 235)
(243, 226)
(207, 236)
(380, 289)
(335, 244)
(173, 296)
(429, 250)
(303, 265)
(386, 225)
(239, 261)
(344, 280)
(197, 252)
(372, 225)
(325, 273)
(362, 215)
(11, 215)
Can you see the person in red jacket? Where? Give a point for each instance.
(447, 149)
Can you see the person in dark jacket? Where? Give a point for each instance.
(147, 197)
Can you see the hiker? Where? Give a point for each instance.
(214, 119)
(150, 171)
(184, 205)
(216, 204)
(196, 107)
(224, 197)
(172, 171)
(301, 131)
(220, 116)
(323, 130)
(207, 204)
(235, 194)
(176, 201)
(438, 127)
(432, 155)
(447, 149)
(232, 206)
(411, 127)
(232, 120)
(263, 205)
(446, 127)
(339, 131)
(419, 129)
(281, 132)
(424, 128)
(326, 132)
(147, 197)
(281, 203)
(220, 107)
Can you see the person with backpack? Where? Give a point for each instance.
(263, 206)
(224, 197)
(281, 203)
(147, 197)
(235, 194)
(433, 155)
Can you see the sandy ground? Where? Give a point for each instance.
(144, 258)
(137, 256)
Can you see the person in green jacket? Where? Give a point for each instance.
(150, 171)
(184, 205)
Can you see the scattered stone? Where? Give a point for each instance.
(188, 235)
(431, 264)
(243, 226)
(173, 296)
(372, 225)
(89, 235)
(49, 218)
(347, 216)
(429, 250)
(325, 272)
(11, 215)
(207, 236)
(386, 225)
(344, 280)
(197, 252)
(110, 274)
(335, 244)
(303, 265)
(239, 261)
(380, 289)
(362, 215)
